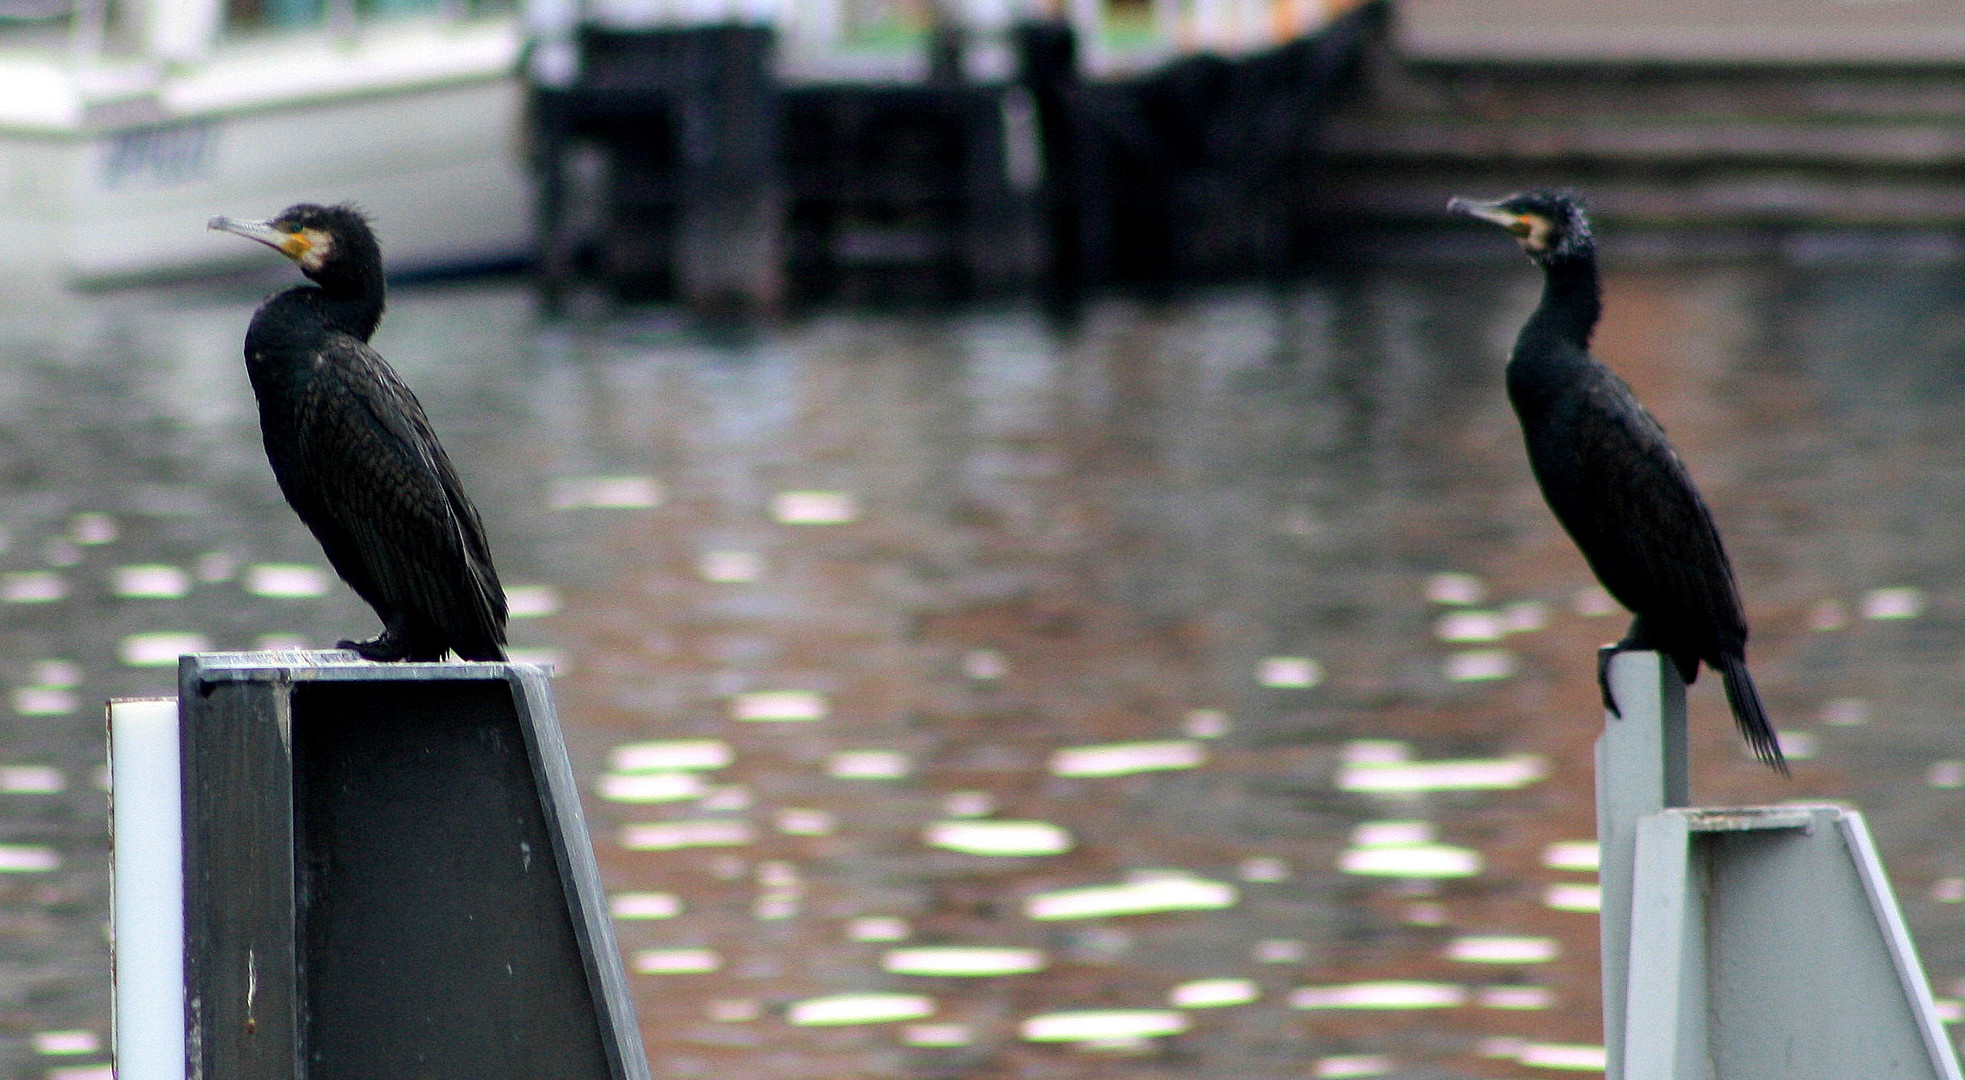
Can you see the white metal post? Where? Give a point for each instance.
(1640, 770)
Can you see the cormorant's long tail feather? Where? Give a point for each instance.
(489, 650)
(1749, 714)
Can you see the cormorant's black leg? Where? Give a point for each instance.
(1604, 656)
(1636, 639)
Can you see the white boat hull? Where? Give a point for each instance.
(437, 165)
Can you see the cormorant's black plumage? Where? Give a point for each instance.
(354, 454)
(1610, 476)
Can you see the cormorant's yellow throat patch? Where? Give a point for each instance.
(308, 247)
(1535, 232)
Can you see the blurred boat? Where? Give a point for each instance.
(124, 126)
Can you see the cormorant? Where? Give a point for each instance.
(353, 452)
(1610, 476)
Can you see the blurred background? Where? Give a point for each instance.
(1043, 578)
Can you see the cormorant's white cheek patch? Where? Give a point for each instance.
(314, 248)
(1540, 236)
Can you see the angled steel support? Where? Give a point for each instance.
(1744, 943)
(385, 872)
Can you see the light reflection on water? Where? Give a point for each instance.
(902, 578)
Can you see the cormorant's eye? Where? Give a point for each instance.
(289, 226)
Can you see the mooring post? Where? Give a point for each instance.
(1641, 769)
(1003, 187)
(552, 67)
(729, 253)
(385, 872)
(1073, 245)
(550, 123)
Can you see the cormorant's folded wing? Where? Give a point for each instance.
(1642, 524)
(400, 507)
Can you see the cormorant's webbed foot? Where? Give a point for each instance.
(1604, 656)
(385, 647)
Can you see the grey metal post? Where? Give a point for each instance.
(386, 872)
(1641, 769)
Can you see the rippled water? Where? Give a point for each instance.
(916, 585)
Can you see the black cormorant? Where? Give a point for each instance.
(1611, 477)
(355, 455)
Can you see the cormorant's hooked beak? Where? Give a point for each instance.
(292, 245)
(1486, 211)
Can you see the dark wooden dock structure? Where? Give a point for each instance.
(676, 164)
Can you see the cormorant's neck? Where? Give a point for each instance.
(352, 303)
(1571, 303)
(291, 323)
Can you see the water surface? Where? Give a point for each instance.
(914, 574)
